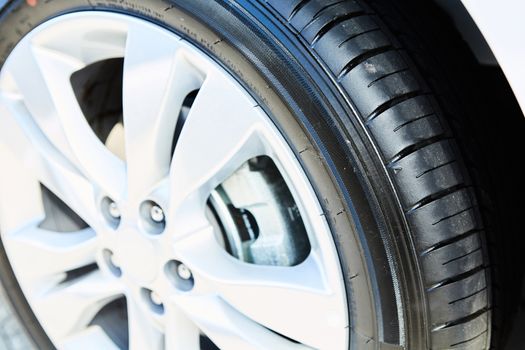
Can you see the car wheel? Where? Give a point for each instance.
(231, 174)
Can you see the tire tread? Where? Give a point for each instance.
(421, 154)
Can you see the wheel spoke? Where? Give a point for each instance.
(93, 337)
(156, 71)
(180, 332)
(79, 301)
(262, 292)
(48, 255)
(32, 152)
(143, 334)
(221, 133)
(88, 40)
(229, 329)
(49, 98)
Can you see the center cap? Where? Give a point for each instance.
(137, 256)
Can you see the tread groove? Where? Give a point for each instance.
(318, 13)
(462, 320)
(361, 58)
(468, 340)
(468, 296)
(456, 278)
(462, 256)
(335, 21)
(297, 8)
(435, 168)
(357, 35)
(386, 76)
(452, 215)
(435, 196)
(392, 102)
(415, 147)
(412, 121)
(449, 241)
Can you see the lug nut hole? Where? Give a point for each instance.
(153, 300)
(180, 275)
(153, 217)
(111, 263)
(111, 212)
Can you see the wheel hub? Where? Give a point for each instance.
(138, 257)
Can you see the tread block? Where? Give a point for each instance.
(285, 8)
(438, 221)
(426, 172)
(378, 80)
(344, 32)
(405, 124)
(459, 299)
(452, 259)
(330, 18)
(361, 35)
(376, 67)
(454, 337)
(309, 10)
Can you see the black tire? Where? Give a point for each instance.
(374, 140)
(395, 103)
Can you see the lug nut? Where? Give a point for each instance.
(155, 298)
(113, 210)
(184, 272)
(153, 217)
(179, 275)
(157, 214)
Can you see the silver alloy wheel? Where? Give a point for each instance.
(45, 139)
